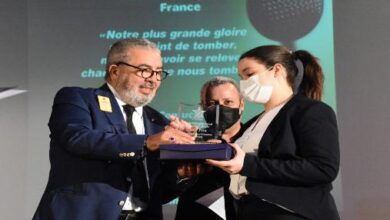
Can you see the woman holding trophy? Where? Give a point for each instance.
(288, 155)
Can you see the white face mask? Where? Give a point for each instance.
(253, 91)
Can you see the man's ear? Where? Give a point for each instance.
(113, 71)
(242, 104)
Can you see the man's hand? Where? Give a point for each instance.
(190, 169)
(182, 125)
(169, 136)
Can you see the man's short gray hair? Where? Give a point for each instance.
(205, 92)
(119, 50)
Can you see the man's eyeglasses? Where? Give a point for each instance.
(147, 72)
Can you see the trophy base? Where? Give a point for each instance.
(196, 151)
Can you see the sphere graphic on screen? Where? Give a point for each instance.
(284, 20)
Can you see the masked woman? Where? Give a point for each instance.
(225, 92)
(288, 155)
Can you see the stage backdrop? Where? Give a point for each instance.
(68, 40)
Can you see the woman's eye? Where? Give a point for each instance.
(250, 74)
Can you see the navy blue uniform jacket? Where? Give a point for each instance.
(90, 153)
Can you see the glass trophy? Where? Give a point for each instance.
(206, 130)
(194, 114)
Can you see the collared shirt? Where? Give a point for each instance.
(132, 203)
(138, 119)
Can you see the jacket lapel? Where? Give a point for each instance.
(273, 128)
(115, 117)
(148, 120)
(151, 121)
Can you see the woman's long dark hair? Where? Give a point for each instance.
(312, 82)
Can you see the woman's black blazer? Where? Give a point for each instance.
(297, 159)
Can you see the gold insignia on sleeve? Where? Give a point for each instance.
(104, 103)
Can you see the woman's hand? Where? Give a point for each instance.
(232, 166)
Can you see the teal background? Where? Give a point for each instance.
(233, 14)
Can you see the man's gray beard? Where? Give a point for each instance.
(131, 97)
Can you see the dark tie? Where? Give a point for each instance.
(129, 118)
(137, 172)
